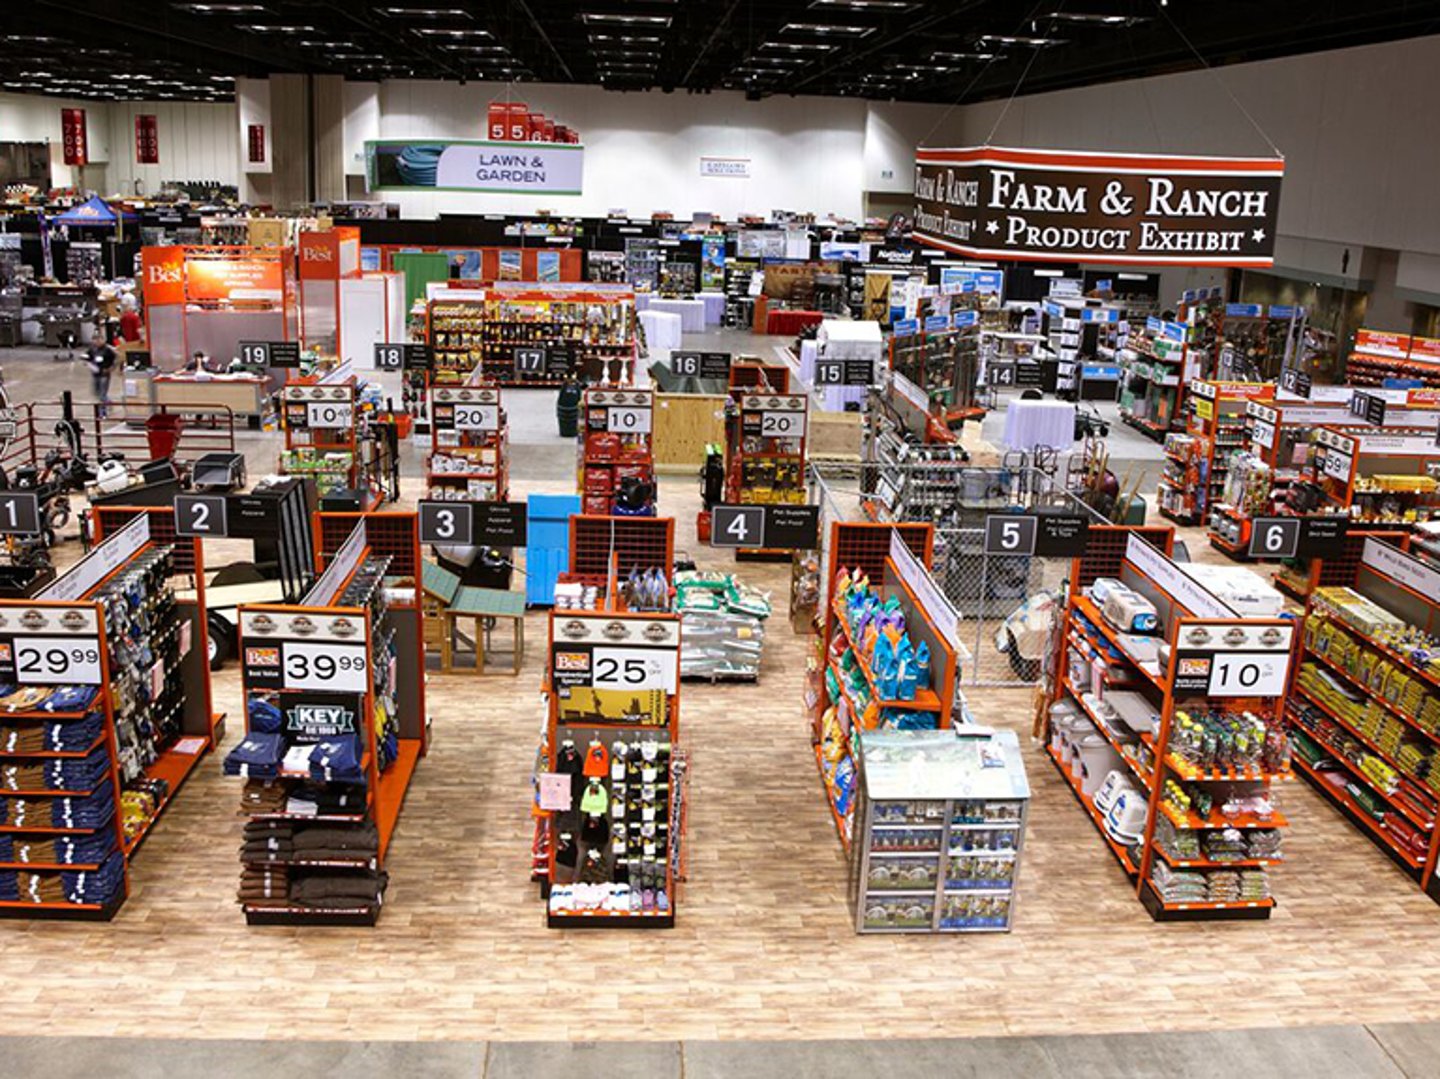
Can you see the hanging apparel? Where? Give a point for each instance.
(597, 760)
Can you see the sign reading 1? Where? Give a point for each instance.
(19, 513)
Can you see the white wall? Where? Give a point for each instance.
(32, 118)
(643, 150)
(1360, 155)
(197, 142)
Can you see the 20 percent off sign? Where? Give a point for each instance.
(994, 202)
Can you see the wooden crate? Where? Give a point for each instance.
(684, 424)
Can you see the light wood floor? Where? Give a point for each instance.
(763, 947)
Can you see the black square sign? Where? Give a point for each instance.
(389, 357)
(792, 528)
(737, 526)
(270, 353)
(1368, 407)
(844, 372)
(19, 513)
(1061, 535)
(1010, 534)
(202, 515)
(1274, 537)
(446, 523)
(1002, 374)
(686, 364)
(530, 362)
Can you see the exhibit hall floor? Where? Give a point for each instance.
(763, 947)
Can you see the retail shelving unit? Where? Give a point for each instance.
(616, 443)
(765, 437)
(1153, 362)
(1365, 703)
(320, 440)
(940, 829)
(612, 798)
(849, 692)
(536, 335)
(109, 716)
(602, 546)
(1196, 462)
(455, 329)
(1137, 739)
(470, 444)
(1378, 478)
(943, 359)
(1378, 356)
(335, 726)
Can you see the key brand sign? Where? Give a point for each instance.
(993, 202)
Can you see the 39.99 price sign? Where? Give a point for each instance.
(323, 665)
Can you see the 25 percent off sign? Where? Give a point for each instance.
(994, 202)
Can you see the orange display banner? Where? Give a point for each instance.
(1382, 344)
(1255, 391)
(1423, 397)
(233, 280)
(1425, 349)
(163, 275)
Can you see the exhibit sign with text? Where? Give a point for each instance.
(1056, 205)
(516, 168)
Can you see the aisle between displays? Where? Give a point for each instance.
(1167, 725)
(105, 715)
(335, 726)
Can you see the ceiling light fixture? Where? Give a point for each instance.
(431, 31)
(268, 28)
(827, 29)
(1095, 18)
(798, 46)
(424, 12)
(604, 18)
(1027, 42)
(866, 5)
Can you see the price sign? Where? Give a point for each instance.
(476, 417)
(55, 661)
(530, 362)
(335, 415)
(270, 353)
(1335, 464)
(632, 668)
(202, 515)
(777, 527)
(389, 357)
(19, 513)
(782, 424)
(1233, 659)
(474, 524)
(844, 372)
(627, 420)
(325, 665)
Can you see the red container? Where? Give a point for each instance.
(537, 127)
(498, 126)
(519, 122)
(549, 130)
(562, 133)
(596, 506)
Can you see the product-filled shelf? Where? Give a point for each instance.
(1136, 767)
(174, 768)
(1186, 770)
(1246, 904)
(1389, 653)
(57, 754)
(1122, 855)
(1218, 821)
(1087, 607)
(1356, 812)
(926, 700)
(1211, 863)
(842, 824)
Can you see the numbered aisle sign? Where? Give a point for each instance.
(689, 364)
(202, 515)
(466, 408)
(773, 415)
(615, 657)
(389, 357)
(777, 527)
(1233, 659)
(830, 372)
(473, 524)
(270, 353)
(19, 513)
(1049, 535)
(51, 646)
(1298, 537)
(530, 361)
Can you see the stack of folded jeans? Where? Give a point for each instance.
(71, 699)
(89, 811)
(263, 796)
(89, 849)
(73, 774)
(267, 841)
(9, 887)
(61, 736)
(337, 760)
(324, 800)
(96, 885)
(257, 756)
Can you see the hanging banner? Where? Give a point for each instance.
(456, 165)
(72, 131)
(147, 139)
(1151, 209)
(255, 144)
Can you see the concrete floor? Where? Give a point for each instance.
(1333, 1052)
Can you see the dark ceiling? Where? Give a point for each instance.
(913, 50)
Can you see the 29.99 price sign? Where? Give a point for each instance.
(322, 665)
(52, 661)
